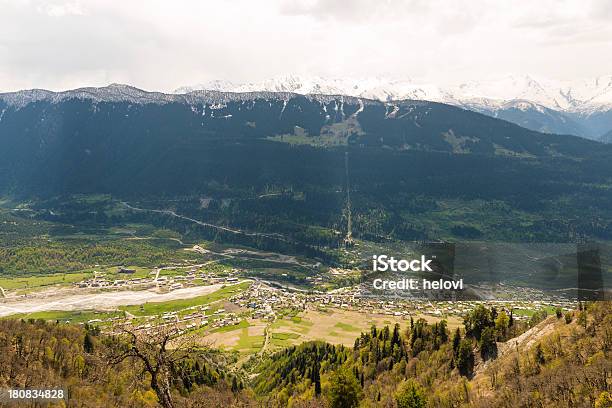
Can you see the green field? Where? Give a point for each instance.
(81, 316)
(40, 281)
(283, 339)
(347, 327)
(30, 282)
(316, 141)
(530, 312)
(295, 323)
(249, 344)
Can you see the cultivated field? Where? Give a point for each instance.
(337, 326)
(332, 326)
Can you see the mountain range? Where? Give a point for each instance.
(582, 108)
(408, 160)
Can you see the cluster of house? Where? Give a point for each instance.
(226, 319)
(101, 280)
(265, 301)
(198, 317)
(187, 321)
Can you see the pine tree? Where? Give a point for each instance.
(88, 344)
(488, 345)
(442, 332)
(385, 333)
(465, 358)
(316, 378)
(456, 341)
(395, 338)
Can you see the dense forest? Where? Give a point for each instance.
(422, 365)
(418, 170)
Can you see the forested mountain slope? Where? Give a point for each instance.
(567, 364)
(120, 139)
(410, 162)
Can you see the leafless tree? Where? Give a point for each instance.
(157, 350)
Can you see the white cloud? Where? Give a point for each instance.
(158, 44)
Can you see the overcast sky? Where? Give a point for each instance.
(163, 44)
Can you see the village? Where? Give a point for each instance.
(155, 278)
(264, 301)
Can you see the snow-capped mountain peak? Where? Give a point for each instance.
(576, 96)
(580, 107)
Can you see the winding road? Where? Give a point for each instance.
(206, 224)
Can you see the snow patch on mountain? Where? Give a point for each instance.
(582, 108)
(118, 93)
(581, 96)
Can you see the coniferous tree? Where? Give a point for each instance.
(488, 345)
(476, 321)
(456, 341)
(316, 378)
(465, 358)
(442, 331)
(88, 344)
(395, 338)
